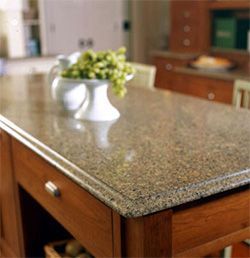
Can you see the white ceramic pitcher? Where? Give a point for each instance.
(68, 93)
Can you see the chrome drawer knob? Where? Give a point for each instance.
(211, 96)
(186, 14)
(52, 189)
(186, 42)
(169, 67)
(186, 28)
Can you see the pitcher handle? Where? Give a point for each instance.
(52, 73)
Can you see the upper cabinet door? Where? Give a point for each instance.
(78, 25)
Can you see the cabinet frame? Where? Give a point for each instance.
(161, 234)
(212, 89)
(11, 238)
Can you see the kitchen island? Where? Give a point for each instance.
(169, 178)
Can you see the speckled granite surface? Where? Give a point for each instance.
(166, 149)
(171, 54)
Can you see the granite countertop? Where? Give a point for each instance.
(30, 58)
(171, 54)
(166, 149)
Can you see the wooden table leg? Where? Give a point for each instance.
(149, 236)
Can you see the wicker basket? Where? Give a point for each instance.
(55, 249)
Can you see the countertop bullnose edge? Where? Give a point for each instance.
(122, 204)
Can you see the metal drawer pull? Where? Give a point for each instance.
(169, 67)
(186, 28)
(211, 96)
(52, 189)
(186, 14)
(186, 42)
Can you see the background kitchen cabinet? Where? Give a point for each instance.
(69, 26)
(189, 31)
(50, 27)
(191, 35)
(171, 75)
(194, 25)
(165, 76)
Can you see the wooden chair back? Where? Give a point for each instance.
(241, 94)
(144, 76)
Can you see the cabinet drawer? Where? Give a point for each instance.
(165, 77)
(188, 22)
(187, 36)
(168, 64)
(204, 87)
(185, 10)
(85, 217)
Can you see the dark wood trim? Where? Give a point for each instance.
(149, 236)
(5, 250)
(12, 238)
(83, 215)
(117, 234)
(225, 218)
(211, 198)
(226, 5)
(216, 245)
(194, 229)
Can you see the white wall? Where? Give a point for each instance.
(12, 27)
(15, 30)
(150, 26)
(11, 5)
(66, 22)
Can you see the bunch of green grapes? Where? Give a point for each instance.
(104, 65)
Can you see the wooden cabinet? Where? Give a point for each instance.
(185, 231)
(192, 21)
(210, 215)
(189, 20)
(88, 220)
(204, 87)
(85, 217)
(228, 4)
(165, 76)
(11, 244)
(169, 77)
(190, 32)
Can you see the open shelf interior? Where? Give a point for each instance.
(230, 30)
(39, 227)
(31, 23)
